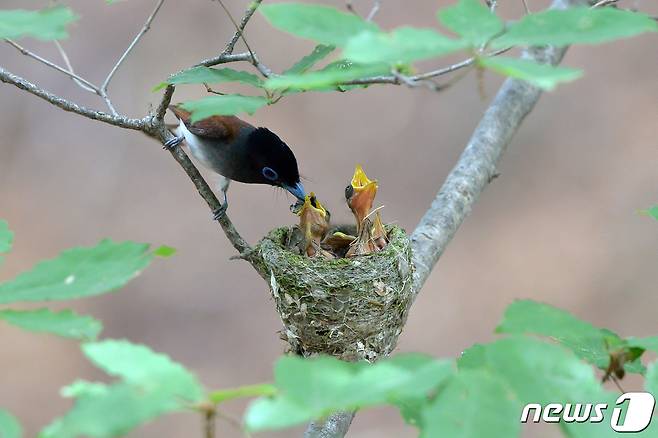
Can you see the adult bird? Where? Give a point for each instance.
(238, 151)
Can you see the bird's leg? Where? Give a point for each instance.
(222, 185)
(173, 142)
(221, 211)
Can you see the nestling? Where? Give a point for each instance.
(238, 151)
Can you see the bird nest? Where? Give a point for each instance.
(351, 308)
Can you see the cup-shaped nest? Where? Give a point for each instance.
(351, 308)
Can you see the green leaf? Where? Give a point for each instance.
(110, 411)
(473, 404)
(536, 371)
(140, 366)
(320, 52)
(653, 212)
(335, 73)
(226, 105)
(9, 426)
(312, 388)
(79, 272)
(648, 343)
(46, 24)
(541, 75)
(224, 395)
(207, 75)
(323, 24)
(164, 251)
(471, 20)
(590, 343)
(65, 323)
(575, 25)
(403, 45)
(6, 236)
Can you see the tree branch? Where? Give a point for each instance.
(477, 165)
(67, 105)
(334, 426)
(82, 82)
(243, 23)
(108, 79)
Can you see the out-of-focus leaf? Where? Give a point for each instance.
(207, 75)
(540, 75)
(403, 45)
(224, 395)
(580, 25)
(9, 426)
(333, 74)
(164, 251)
(653, 212)
(140, 366)
(65, 323)
(46, 24)
(473, 404)
(226, 105)
(312, 388)
(79, 272)
(110, 411)
(471, 20)
(320, 52)
(323, 24)
(590, 343)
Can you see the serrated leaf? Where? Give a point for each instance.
(471, 20)
(403, 45)
(207, 75)
(9, 426)
(224, 395)
(541, 75)
(472, 404)
(578, 25)
(536, 371)
(590, 343)
(140, 366)
(312, 388)
(164, 251)
(79, 272)
(110, 411)
(227, 105)
(333, 74)
(46, 24)
(323, 24)
(320, 52)
(65, 323)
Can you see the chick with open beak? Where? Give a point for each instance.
(314, 224)
(360, 195)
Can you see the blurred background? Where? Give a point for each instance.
(560, 224)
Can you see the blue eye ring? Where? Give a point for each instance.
(270, 174)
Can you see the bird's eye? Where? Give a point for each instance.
(349, 191)
(270, 174)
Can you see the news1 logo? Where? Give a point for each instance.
(639, 411)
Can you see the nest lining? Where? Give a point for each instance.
(352, 308)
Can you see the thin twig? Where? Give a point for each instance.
(67, 61)
(239, 29)
(79, 80)
(209, 423)
(525, 6)
(108, 79)
(375, 8)
(225, 59)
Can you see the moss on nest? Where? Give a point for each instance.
(351, 308)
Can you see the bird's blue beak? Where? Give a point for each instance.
(297, 190)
